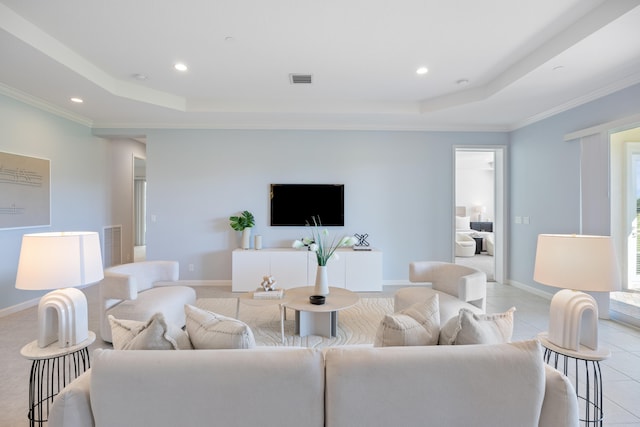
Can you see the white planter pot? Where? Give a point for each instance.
(246, 238)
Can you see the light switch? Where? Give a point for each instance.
(518, 220)
(525, 220)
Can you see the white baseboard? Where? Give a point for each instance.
(19, 307)
(186, 282)
(530, 289)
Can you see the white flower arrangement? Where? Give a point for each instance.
(322, 244)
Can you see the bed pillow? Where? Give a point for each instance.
(471, 328)
(208, 330)
(153, 334)
(463, 223)
(418, 324)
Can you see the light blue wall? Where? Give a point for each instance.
(398, 189)
(398, 185)
(545, 176)
(78, 181)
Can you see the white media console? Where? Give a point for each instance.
(358, 271)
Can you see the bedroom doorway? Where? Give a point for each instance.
(139, 208)
(478, 237)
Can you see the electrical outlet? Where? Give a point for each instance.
(191, 267)
(525, 220)
(518, 220)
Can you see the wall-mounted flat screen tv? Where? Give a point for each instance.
(295, 204)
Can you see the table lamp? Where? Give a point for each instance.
(60, 261)
(575, 263)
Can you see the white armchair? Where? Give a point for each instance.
(138, 290)
(457, 286)
(465, 245)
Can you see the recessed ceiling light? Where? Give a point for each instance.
(422, 71)
(462, 82)
(180, 67)
(76, 100)
(139, 76)
(558, 67)
(229, 39)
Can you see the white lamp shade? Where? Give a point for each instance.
(577, 262)
(59, 260)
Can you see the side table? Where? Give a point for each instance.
(52, 369)
(247, 299)
(586, 362)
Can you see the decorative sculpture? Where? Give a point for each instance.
(268, 283)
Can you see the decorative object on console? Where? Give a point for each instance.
(325, 248)
(257, 242)
(61, 261)
(575, 263)
(362, 244)
(243, 222)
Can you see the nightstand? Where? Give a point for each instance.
(52, 369)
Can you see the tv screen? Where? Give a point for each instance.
(295, 204)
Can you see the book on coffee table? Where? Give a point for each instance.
(275, 294)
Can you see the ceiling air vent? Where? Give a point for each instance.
(297, 79)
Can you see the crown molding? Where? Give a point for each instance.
(44, 105)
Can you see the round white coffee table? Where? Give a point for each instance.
(318, 319)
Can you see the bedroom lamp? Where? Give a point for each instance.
(60, 261)
(575, 263)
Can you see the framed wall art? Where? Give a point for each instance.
(25, 191)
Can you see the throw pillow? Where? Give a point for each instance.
(471, 328)
(209, 330)
(463, 223)
(154, 334)
(418, 324)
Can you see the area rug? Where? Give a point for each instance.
(356, 325)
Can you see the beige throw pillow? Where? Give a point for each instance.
(418, 324)
(209, 330)
(154, 334)
(471, 328)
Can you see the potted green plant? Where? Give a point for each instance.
(243, 222)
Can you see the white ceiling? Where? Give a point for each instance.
(524, 60)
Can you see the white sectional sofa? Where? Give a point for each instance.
(479, 385)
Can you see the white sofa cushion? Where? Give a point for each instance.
(472, 328)
(418, 324)
(155, 334)
(208, 330)
(231, 388)
(480, 386)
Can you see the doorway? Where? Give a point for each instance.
(479, 176)
(625, 216)
(139, 209)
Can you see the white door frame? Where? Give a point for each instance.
(500, 208)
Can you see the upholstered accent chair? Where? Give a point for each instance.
(465, 245)
(458, 286)
(137, 291)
